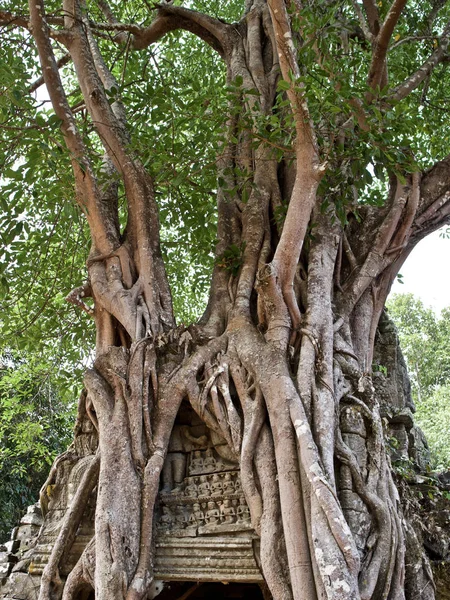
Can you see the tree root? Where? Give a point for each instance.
(69, 528)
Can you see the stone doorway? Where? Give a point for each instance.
(85, 593)
(178, 590)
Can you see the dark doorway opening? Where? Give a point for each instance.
(176, 590)
(85, 593)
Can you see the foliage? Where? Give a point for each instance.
(433, 416)
(35, 425)
(425, 342)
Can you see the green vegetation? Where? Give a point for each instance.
(425, 341)
(36, 415)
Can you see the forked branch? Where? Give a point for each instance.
(168, 18)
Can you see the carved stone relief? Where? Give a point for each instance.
(202, 524)
(201, 490)
(203, 528)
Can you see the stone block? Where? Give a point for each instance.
(352, 421)
(5, 569)
(358, 445)
(33, 516)
(12, 546)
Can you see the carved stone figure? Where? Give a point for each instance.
(191, 490)
(228, 485)
(209, 463)
(166, 520)
(180, 518)
(197, 462)
(237, 485)
(174, 469)
(228, 513)
(204, 488)
(216, 486)
(197, 517)
(212, 515)
(243, 512)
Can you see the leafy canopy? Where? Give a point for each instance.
(425, 342)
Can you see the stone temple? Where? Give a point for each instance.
(203, 530)
(205, 546)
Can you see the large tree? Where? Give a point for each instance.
(331, 165)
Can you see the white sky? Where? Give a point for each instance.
(425, 272)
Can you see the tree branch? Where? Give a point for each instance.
(362, 21)
(40, 80)
(373, 16)
(434, 205)
(7, 18)
(169, 18)
(309, 170)
(378, 65)
(414, 80)
(87, 190)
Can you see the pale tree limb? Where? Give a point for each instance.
(151, 285)
(104, 232)
(378, 65)
(88, 193)
(376, 259)
(169, 402)
(362, 21)
(309, 169)
(61, 62)
(434, 203)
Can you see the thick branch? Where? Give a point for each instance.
(40, 80)
(169, 18)
(87, 190)
(362, 21)
(373, 16)
(434, 205)
(309, 169)
(378, 65)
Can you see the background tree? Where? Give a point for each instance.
(425, 341)
(35, 426)
(323, 122)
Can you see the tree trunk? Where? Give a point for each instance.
(279, 366)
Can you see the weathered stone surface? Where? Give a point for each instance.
(203, 529)
(419, 451)
(390, 375)
(12, 546)
(20, 586)
(223, 558)
(352, 421)
(33, 516)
